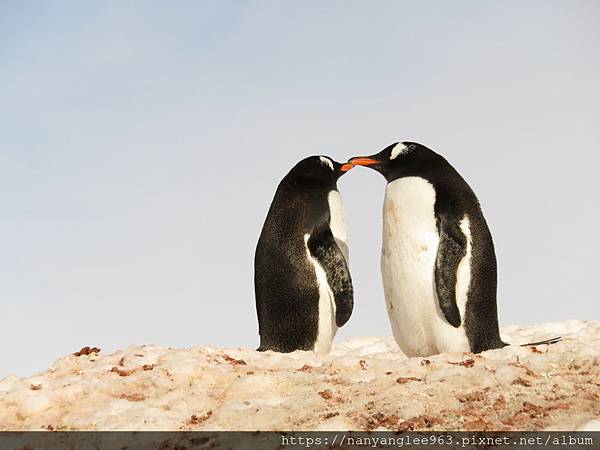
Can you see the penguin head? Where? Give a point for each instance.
(318, 170)
(396, 159)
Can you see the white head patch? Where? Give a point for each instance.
(327, 162)
(398, 150)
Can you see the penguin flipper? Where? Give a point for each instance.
(451, 250)
(325, 250)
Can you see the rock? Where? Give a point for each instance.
(363, 384)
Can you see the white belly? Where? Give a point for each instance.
(327, 327)
(410, 243)
(337, 222)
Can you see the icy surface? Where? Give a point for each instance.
(363, 384)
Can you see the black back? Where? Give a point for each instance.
(285, 283)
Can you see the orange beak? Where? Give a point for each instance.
(361, 161)
(346, 167)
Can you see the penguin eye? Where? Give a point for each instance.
(327, 162)
(398, 150)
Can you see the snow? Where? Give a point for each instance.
(362, 384)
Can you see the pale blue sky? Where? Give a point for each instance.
(141, 144)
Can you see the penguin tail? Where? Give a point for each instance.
(546, 341)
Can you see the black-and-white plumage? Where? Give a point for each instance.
(302, 282)
(438, 259)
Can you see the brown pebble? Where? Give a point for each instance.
(233, 361)
(402, 380)
(133, 397)
(466, 363)
(121, 372)
(197, 420)
(326, 394)
(521, 382)
(87, 351)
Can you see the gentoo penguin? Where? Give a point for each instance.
(302, 283)
(438, 261)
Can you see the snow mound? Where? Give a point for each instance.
(363, 384)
